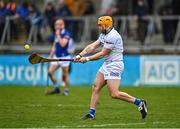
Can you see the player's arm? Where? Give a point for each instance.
(62, 41)
(90, 48)
(107, 48)
(104, 52)
(53, 49)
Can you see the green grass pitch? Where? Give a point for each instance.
(28, 107)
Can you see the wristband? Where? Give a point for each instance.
(87, 59)
(78, 56)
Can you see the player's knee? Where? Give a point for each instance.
(114, 95)
(50, 73)
(65, 76)
(95, 88)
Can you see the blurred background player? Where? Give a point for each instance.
(111, 70)
(62, 47)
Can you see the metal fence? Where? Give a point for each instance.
(145, 33)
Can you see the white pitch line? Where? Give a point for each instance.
(158, 122)
(70, 105)
(82, 105)
(100, 125)
(107, 125)
(35, 105)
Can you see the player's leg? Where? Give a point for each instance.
(52, 69)
(97, 86)
(65, 75)
(113, 88)
(65, 78)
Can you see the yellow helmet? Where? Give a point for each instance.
(105, 21)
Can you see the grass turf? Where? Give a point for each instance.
(28, 107)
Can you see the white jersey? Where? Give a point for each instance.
(112, 41)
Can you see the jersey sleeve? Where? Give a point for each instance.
(100, 37)
(66, 35)
(109, 43)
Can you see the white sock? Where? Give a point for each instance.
(63, 83)
(57, 84)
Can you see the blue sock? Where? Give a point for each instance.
(92, 111)
(57, 89)
(137, 102)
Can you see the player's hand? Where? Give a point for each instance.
(49, 56)
(83, 60)
(77, 58)
(57, 32)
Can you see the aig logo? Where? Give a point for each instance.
(160, 72)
